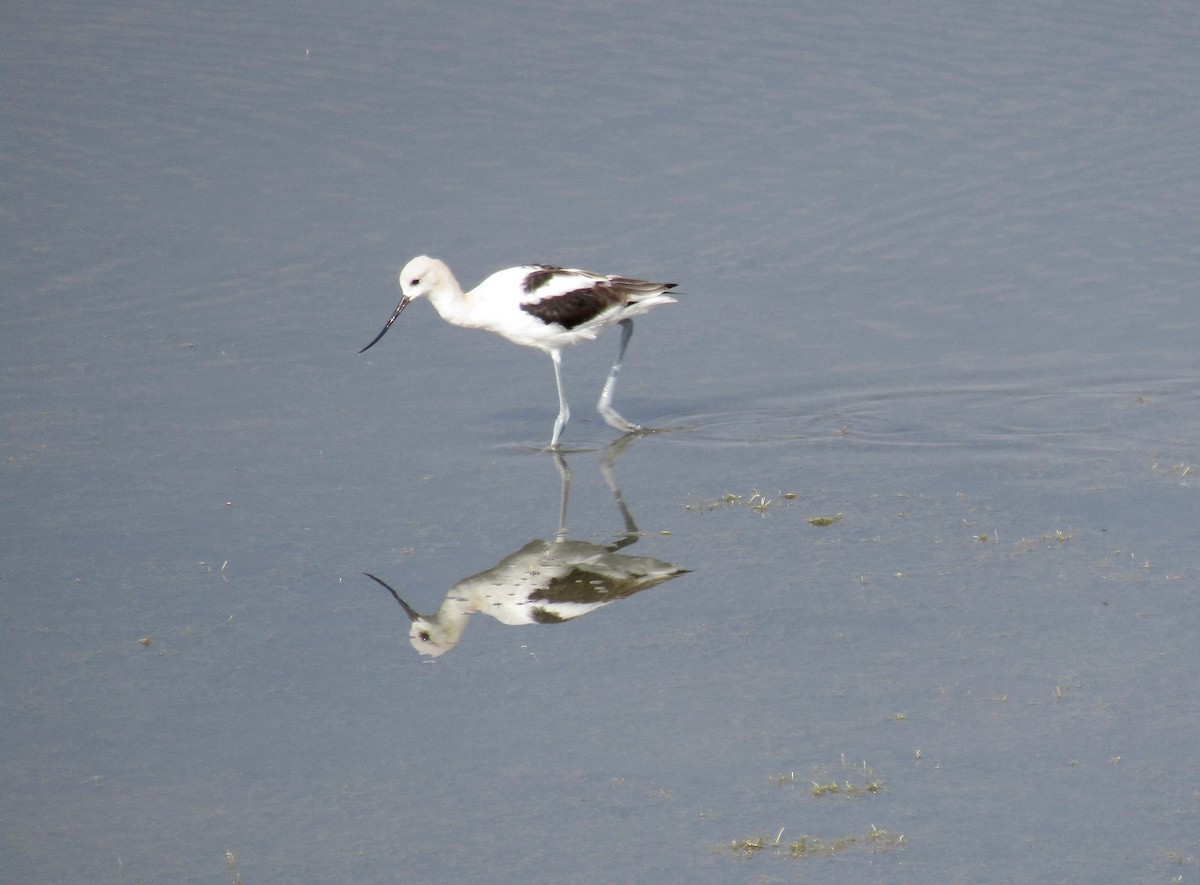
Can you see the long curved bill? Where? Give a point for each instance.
(399, 307)
(404, 605)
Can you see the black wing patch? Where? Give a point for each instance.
(572, 309)
(544, 274)
(582, 305)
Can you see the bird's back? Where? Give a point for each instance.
(551, 307)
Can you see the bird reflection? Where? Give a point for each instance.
(545, 582)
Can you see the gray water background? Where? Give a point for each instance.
(940, 264)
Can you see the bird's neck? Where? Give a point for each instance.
(455, 307)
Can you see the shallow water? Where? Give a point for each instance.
(940, 267)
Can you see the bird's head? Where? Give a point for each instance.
(420, 277)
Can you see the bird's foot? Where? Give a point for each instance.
(616, 422)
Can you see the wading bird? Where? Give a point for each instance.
(540, 306)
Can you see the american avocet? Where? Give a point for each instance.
(538, 306)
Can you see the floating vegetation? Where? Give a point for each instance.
(1059, 535)
(846, 788)
(874, 840)
(849, 780)
(822, 521)
(852, 781)
(756, 501)
(750, 847)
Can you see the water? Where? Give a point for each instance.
(940, 266)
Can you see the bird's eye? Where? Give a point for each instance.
(414, 282)
(424, 636)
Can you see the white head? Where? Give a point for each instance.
(421, 276)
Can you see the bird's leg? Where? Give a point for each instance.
(607, 412)
(564, 411)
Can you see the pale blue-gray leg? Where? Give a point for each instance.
(605, 407)
(564, 411)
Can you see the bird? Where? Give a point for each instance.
(542, 306)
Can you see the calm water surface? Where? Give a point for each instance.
(940, 266)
